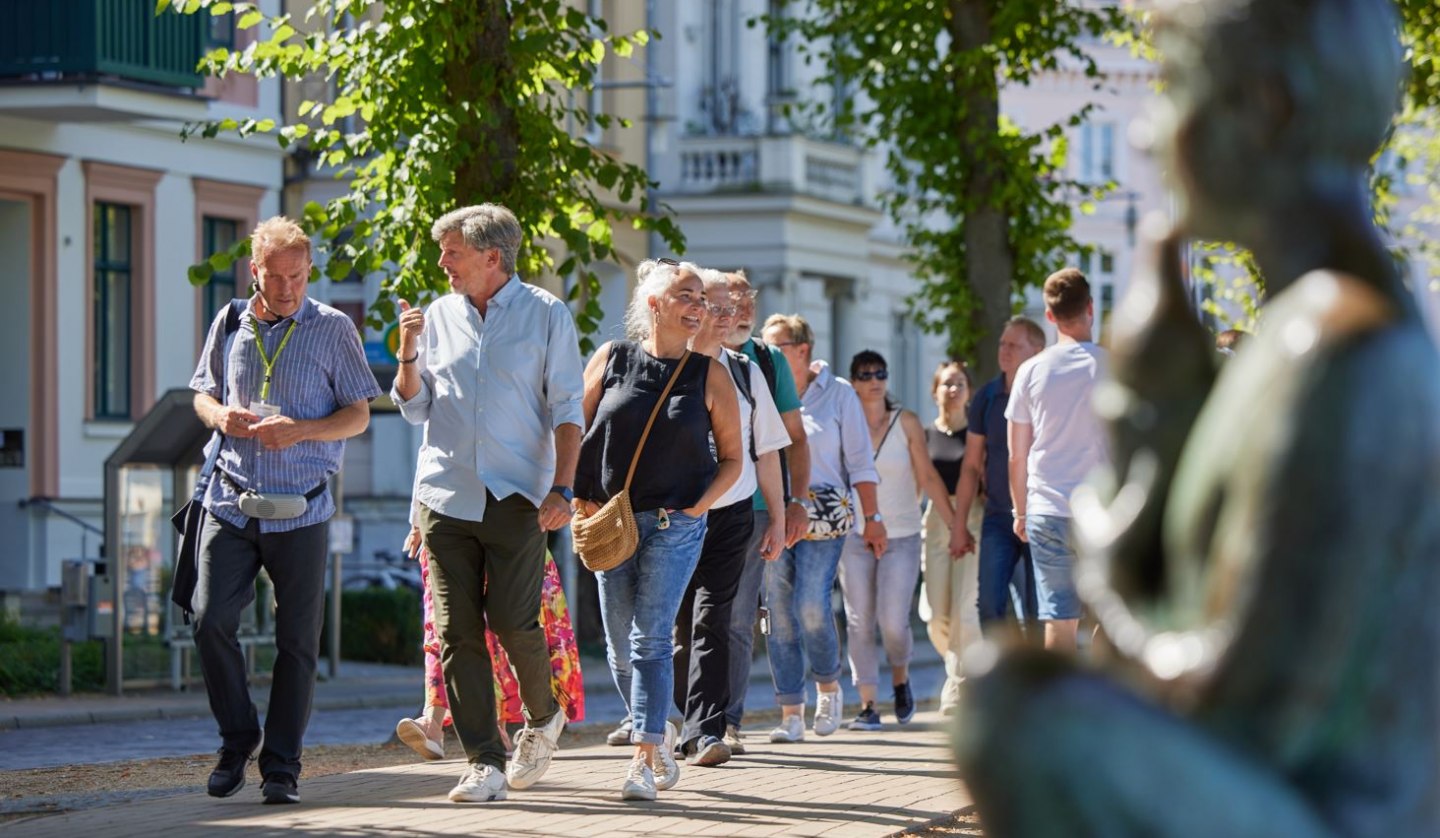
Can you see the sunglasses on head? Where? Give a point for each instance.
(665, 260)
(878, 375)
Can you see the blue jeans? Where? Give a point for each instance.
(742, 620)
(1054, 566)
(798, 587)
(1000, 551)
(638, 603)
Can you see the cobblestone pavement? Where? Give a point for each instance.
(853, 783)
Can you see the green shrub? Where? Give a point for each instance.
(380, 626)
(30, 661)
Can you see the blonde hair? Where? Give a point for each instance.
(652, 278)
(798, 328)
(274, 235)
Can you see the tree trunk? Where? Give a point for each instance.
(480, 76)
(989, 257)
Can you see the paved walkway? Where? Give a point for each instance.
(852, 783)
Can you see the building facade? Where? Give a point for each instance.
(103, 208)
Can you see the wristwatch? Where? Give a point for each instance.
(805, 502)
(563, 491)
(877, 518)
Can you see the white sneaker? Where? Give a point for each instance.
(829, 707)
(533, 748)
(639, 781)
(479, 784)
(732, 738)
(667, 769)
(420, 736)
(791, 729)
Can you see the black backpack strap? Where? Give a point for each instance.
(767, 369)
(740, 371)
(233, 312)
(767, 363)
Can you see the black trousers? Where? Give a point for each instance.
(702, 628)
(230, 559)
(491, 573)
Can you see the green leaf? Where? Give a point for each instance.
(200, 274)
(249, 20)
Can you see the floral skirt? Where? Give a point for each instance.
(565, 677)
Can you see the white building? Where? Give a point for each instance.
(102, 210)
(797, 211)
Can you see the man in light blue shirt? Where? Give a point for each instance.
(493, 372)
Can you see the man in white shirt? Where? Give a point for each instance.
(1055, 441)
(493, 372)
(703, 648)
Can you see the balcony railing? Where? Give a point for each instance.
(96, 39)
(793, 163)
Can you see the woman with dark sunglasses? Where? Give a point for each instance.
(879, 588)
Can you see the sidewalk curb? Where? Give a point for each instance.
(192, 705)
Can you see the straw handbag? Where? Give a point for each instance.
(607, 539)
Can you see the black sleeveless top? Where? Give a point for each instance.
(946, 452)
(676, 466)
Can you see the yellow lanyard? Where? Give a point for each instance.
(270, 361)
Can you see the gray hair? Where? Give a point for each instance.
(652, 278)
(484, 226)
(714, 279)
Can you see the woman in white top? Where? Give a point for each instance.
(880, 589)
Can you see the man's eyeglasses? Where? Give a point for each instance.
(720, 310)
(878, 375)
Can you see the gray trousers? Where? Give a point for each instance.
(230, 559)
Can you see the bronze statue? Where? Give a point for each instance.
(1265, 564)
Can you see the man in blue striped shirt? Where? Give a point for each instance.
(284, 391)
(493, 372)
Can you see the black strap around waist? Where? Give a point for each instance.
(238, 489)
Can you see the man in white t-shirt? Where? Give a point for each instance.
(1055, 441)
(702, 628)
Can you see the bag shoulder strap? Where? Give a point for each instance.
(645, 434)
(234, 310)
(766, 362)
(740, 371)
(888, 428)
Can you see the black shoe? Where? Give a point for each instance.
(280, 788)
(904, 703)
(229, 774)
(868, 719)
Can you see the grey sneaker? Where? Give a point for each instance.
(479, 784)
(533, 748)
(732, 738)
(709, 751)
(791, 729)
(621, 734)
(639, 781)
(829, 707)
(667, 770)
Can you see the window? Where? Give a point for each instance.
(1097, 152)
(220, 31)
(219, 236)
(353, 309)
(113, 267)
